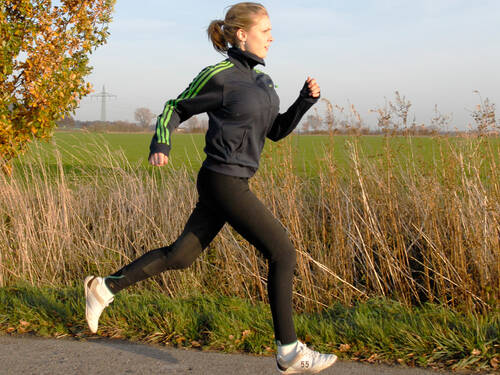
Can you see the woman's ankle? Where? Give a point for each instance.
(285, 350)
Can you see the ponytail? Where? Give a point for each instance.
(222, 33)
(216, 35)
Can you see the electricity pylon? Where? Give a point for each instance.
(103, 95)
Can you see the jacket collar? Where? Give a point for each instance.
(247, 59)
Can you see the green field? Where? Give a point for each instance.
(84, 150)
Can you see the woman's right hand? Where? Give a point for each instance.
(158, 159)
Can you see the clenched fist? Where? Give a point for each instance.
(313, 86)
(158, 159)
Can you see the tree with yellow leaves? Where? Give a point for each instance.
(44, 58)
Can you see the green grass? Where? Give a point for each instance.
(78, 150)
(374, 331)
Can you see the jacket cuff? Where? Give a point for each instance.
(310, 99)
(304, 94)
(159, 147)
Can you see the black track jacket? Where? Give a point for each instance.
(242, 107)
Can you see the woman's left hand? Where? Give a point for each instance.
(313, 86)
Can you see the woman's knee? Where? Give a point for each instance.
(183, 252)
(181, 263)
(177, 260)
(291, 257)
(284, 254)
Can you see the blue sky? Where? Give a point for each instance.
(360, 52)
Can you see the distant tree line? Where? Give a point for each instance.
(145, 123)
(70, 123)
(392, 119)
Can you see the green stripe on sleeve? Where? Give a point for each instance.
(163, 134)
(193, 82)
(167, 108)
(210, 76)
(197, 83)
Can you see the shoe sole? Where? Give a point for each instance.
(304, 372)
(87, 282)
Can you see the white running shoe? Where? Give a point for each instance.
(97, 297)
(305, 361)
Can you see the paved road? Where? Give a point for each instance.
(33, 355)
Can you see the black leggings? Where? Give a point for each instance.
(222, 199)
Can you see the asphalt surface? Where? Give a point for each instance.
(33, 355)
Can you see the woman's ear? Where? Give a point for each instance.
(242, 36)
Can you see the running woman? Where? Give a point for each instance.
(242, 107)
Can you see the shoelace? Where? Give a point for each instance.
(314, 355)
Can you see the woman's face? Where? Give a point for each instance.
(258, 38)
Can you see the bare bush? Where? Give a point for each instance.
(485, 118)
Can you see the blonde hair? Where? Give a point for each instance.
(222, 33)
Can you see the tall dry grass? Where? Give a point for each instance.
(406, 229)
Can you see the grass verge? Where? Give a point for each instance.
(373, 331)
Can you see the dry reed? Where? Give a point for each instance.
(379, 228)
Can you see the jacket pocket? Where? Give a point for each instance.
(234, 140)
